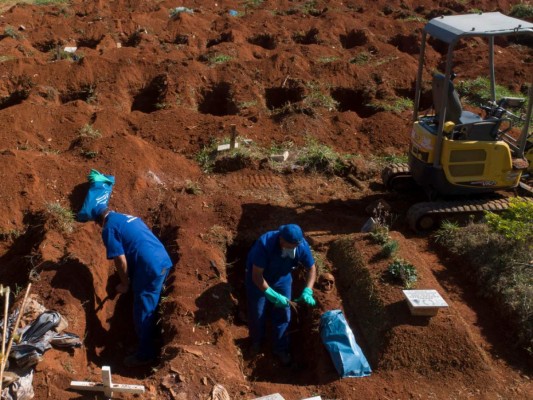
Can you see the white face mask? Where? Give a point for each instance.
(291, 253)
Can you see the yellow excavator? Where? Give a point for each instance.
(462, 159)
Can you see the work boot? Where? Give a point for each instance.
(134, 361)
(284, 357)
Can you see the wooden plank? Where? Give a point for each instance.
(106, 380)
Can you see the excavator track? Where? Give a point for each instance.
(397, 177)
(426, 216)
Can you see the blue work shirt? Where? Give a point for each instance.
(129, 236)
(266, 254)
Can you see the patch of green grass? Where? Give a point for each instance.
(361, 58)
(252, 3)
(316, 98)
(393, 159)
(477, 91)
(475, 11)
(6, 58)
(218, 59)
(10, 234)
(48, 2)
(206, 156)
(522, 11)
(515, 223)
(403, 272)
(414, 18)
(12, 32)
(60, 217)
(390, 248)
(192, 187)
(89, 154)
(397, 105)
(318, 157)
(247, 104)
(328, 59)
(89, 131)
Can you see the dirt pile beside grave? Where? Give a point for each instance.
(141, 98)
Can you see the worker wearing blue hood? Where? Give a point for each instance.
(269, 265)
(142, 263)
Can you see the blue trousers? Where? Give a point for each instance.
(146, 294)
(259, 308)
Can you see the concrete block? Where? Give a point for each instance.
(280, 157)
(424, 302)
(275, 396)
(227, 146)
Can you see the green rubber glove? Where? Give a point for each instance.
(275, 298)
(307, 297)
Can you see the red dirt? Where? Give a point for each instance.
(156, 101)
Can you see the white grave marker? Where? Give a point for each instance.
(424, 302)
(107, 386)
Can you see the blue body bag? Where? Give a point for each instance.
(100, 188)
(340, 342)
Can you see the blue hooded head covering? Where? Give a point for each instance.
(291, 233)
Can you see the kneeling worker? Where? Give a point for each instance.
(270, 262)
(140, 258)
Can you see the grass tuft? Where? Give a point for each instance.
(60, 217)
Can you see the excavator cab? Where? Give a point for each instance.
(459, 154)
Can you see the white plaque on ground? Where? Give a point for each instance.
(275, 396)
(424, 302)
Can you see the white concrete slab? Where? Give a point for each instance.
(424, 302)
(275, 396)
(226, 146)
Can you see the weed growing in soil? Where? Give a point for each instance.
(12, 32)
(477, 91)
(60, 217)
(390, 248)
(89, 131)
(398, 105)
(89, 154)
(361, 58)
(6, 58)
(316, 98)
(318, 157)
(522, 11)
(515, 223)
(206, 156)
(47, 2)
(328, 59)
(218, 59)
(10, 234)
(192, 187)
(404, 272)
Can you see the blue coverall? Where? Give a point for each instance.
(148, 266)
(266, 254)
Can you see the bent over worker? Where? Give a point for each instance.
(270, 262)
(142, 261)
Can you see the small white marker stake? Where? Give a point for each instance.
(107, 386)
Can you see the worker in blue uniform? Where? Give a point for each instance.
(142, 262)
(269, 267)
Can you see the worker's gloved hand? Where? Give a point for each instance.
(275, 298)
(307, 297)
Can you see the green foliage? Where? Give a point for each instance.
(60, 217)
(89, 131)
(218, 59)
(393, 159)
(380, 233)
(522, 11)
(206, 157)
(397, 105)
(10, 234)
(6, 58)
(361, 58)
(192, 187)
(390, 248)
(89, 154)
(501, 269)
(404, 272)
(12, 32)
(319, 157)
(477, 91)
(515, 223)
(316, 98)
(328, 59)
(48, 2)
